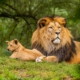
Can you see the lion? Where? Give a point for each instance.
(20, 52)
(55, 41)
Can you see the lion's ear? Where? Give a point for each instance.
(7, 41)
(60, 20)
(41, 23)
(15, 41)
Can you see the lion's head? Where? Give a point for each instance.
(52, 37)
(12, 45)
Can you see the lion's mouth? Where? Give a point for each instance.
(56, 40)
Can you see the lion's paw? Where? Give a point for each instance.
(39, 59)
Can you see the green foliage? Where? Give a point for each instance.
(2, 1)
(20, 21)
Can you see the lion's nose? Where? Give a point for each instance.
(57, 33)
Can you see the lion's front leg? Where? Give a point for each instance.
(48, 59)
(51, 59)
(14, 55)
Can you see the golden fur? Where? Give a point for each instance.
(55, 41)
(20, 52)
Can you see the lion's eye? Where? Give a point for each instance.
(50, 27)
(10, 45)
(58, 26)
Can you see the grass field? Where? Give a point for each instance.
(13, 69)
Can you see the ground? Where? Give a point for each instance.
(13, 69)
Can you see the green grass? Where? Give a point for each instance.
(13, 69)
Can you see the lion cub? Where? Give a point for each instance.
(20, 52)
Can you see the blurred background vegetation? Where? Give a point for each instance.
(18, 18)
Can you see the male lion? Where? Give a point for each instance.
(20, 52)
(55, 41)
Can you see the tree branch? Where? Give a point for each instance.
(7, 15)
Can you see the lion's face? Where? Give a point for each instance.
(54, 32)
(12, 45)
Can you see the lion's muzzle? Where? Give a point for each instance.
(56, 40)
